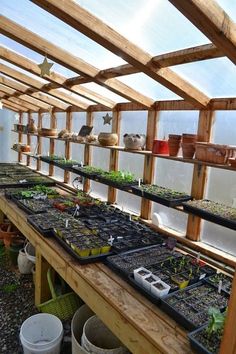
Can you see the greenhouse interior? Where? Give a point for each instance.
(117, 176)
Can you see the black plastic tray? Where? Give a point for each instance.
(82, 260)
(213, 284)
(178, 317)
(121, 186)
(164, 201)
(28, 210)
(210, 216)
(26, 184)
(79, 171)
(44, 233)
(195, 344)
(65, 166)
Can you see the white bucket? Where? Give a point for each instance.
(77, 325)
(30, 252)
(24, 264)
(98, 339)
(41, 334)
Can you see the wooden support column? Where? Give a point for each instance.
(39, 140)
(199, 181)
(28, 138)
(20, 136)
(114, 154)
(53, 125)
(88, 152)
(149, 162)
(68, 144)
(42, 292)
(228, 343)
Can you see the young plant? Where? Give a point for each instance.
(216, 322)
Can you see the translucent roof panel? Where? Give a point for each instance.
(56, 31)
(215, 77)
(155, 25)
(149, 87)
(105, 92)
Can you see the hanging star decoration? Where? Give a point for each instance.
(1, 105)
(107, 119)
(45, 67)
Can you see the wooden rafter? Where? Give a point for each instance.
(14, 105)
(77, 17)
(213, 21)
(57, 80)
(13, 93)
(9, 107)
(33, 86)
(42, 46)
(39, 86)
(22, 103)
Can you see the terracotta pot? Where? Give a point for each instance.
(47, 132)
(174, 137)
(108, 139)
(189, 138)
(232, 162)
(25, 148)
(160, 147)
(6, 234)
(188, 150)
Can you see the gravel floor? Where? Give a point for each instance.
(16, 305)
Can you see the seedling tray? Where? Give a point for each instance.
(231, 224)
(187, 298)
(68, 166)
(81, 172)
(224, 288)
(44, 232)
(121, 186)
(82, 260)
(28, 210)
(169, 202)
(195, 344)
(147, 294)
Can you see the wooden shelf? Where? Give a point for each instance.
(143, 152)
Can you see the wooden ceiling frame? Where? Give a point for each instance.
(10, 92)
(22, 103)
(91, 26)
(59, 55)
(14, 105)
(57, 80)
(212, 21)
(5, 105)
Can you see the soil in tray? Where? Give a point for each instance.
(226, 281)
(210, 342)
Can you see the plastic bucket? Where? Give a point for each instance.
(30, 252)
(98, 339)
(24, 264)
(41, 333)
(77, 325)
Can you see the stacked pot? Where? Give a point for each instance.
(174, 142)
(188, 145)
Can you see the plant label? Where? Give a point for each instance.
(67, 223)
(81, 164)
(220, 286)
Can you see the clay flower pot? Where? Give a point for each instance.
(174, 144)
(108, 139)
(189, 138)
(188, 150)
(160, 147)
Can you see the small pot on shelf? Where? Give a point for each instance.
(160, 147)
(174, 144)
(108, 139)
(189, 138)
(188, 150)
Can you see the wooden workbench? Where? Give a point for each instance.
(140, 325)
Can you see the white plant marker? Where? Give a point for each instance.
(139, 182)
(111, 240)
(130, 217)
(220, 286)
(81, 163)
(67, 223)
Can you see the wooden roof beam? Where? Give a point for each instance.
(213, 21)
(42, 46)
(77, 17)
(22, 103)
(57, 80)
(5, 105)
(14, 105)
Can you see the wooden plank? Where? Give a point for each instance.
(200, 173)
(80, 19)
(149, 161)
(39, 86)
(9, 107)
(228, 343)
(114, 154)
(56, 78)
(42, 46)
(28, 138)
(213, 21)
(53, 124)
(20, 136)
(68, 144)
(14, 105)
(137, 326)
(22, 103)
(39, 141)
(42, 291)
(88, 152)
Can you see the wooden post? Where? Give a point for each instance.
(114, 154)
(68, 144)
(42, 292)
(53, 125)
(228, 343)
(39, 140)
(28, 138)
(205, 124)
(20, 136)
(149, 161)
(88, 152)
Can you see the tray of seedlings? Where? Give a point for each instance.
(51, 158)
(87, 171)
(38, 192)
(45, 223)
(66, 165)
(189, 306)
(221, 279)
(161, 195)
(80, 241)
(118, 179)
(33, 206)
(212, 211)
(207, 339)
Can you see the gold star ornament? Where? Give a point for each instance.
(45, 67)
(107, 119)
